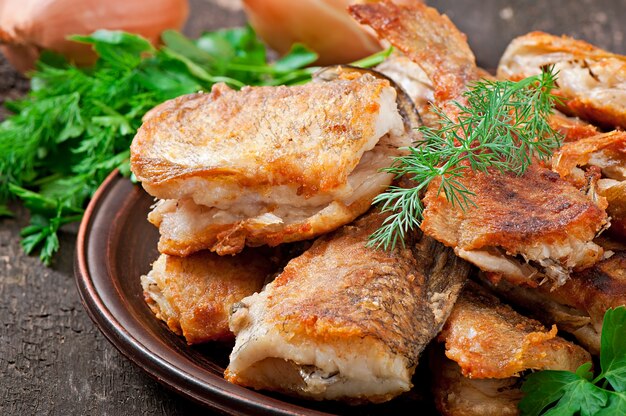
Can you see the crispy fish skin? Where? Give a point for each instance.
(194, 295)
(429, 39)
(579, 305)
(488, 339)
(571, 128)
(522, 221)
(260, 138)
(606, 152)
(456, 395)
(537, 215)
(345, 321)
(591, 81)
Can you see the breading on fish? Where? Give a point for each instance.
(591, 81)
(579, 305)
(533, 227)
(345, 321)
(194, 295)
(266, 165)
(488, 339)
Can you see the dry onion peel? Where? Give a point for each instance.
(29, 26)
(323, 25)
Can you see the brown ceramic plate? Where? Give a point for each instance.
(116, 245)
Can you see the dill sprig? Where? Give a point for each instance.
(503, 126)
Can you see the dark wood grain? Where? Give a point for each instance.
(53, 360)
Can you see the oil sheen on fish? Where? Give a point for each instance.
(591, 81)
(344, 321)
(515, 229)
(266, 165)
(194, 295)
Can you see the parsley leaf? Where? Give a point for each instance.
(613, 349)
(564, 393)
(5, 211)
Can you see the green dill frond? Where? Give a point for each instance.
(504, 126)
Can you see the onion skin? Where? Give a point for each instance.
(323, 25)
(29, 26)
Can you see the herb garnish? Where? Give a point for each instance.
(565, 393)
(503, 126)
(76, 124)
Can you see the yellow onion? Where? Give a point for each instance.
(29, 26)
(323, 25)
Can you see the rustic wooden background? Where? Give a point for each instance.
(54, 361)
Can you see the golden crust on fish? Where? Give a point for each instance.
(261, 137)
(591, 81)
(521, 221)
(194, 295)
(267, 165)
(428, 39)
(606, 153)
(579, 305)
(571, 128)
(488, 339)
(537, 215)
(344, 321)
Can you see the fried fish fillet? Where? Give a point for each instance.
(591, 81)
(571, 128)
(488, 339)
(428, 39)
(194, 295)
(527, 227)
(344, 321)
(606, 152)
(531, 227)
(267, 165)
(488, 345)
(456, 395)
(579, 305)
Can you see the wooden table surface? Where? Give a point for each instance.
(53, 360)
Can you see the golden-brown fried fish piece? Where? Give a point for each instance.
(579, 305)
(194, 295)
(537, 216)
(591, 81)
(607, 153)
(571, 128)
(456, 395)
(428, 39)
(534, 218)
(272, 164)
(344, 321)
(488, 339)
